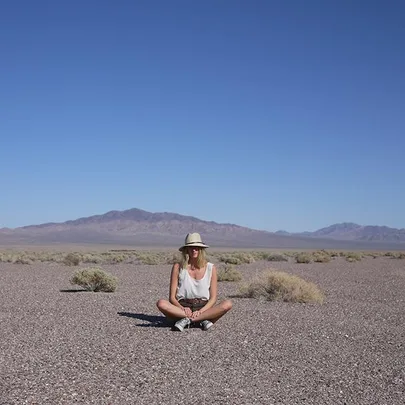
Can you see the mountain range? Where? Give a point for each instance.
(136, 227)
(354, 232)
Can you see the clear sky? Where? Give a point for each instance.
(268, 114)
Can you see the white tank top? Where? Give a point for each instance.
(188, 287)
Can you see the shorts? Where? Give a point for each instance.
(195, 304)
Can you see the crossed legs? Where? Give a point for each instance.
(212, 314)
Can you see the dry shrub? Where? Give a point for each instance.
(333, 253)
(398, 255)
(279, 286)
(277, 257)
(229, 273)
(6, 257)
(23, 260)
(374, 255)
(150, 258)
(92, 258)
(390, 254)
(236, 258)
(114, 257)
(71, 259)
(290, 254)
(321, 256)
(173, 258)
(17, 257)
(303, 258)
(353, 257)
(94, 279)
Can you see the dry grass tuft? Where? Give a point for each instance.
(229, 273)
(71, 259)
(277, 257)
(303, 258)
(321, 256)
(236, 258)
(94, 279)
(280, 286)
(396, 255)
(353, 257)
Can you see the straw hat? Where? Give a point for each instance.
(193, 239)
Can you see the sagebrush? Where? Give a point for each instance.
(275, 285)
(229, 273)
(94, 279)
(303, 258)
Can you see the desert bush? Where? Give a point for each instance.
(259, 255)
(353, 257)
(113, 257)
(374, 255)
(321, 256)
(398, 255)
(395, 255)
(150, 258)
(277, 257)
(6, 258)
(232, 260)
(116, 258)
(290, 254)
(236, 258)
(94, 279)
(22, 260)
(229, 273)
(71, 259)
(333, 253)
(303, 258)
(17, 257)
(92, 258)
(280, 286)
(174, 258)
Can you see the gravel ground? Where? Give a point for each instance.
(64, 347)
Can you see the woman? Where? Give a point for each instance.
(193, 288)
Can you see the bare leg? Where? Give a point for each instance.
(214, 313)
(170, 310)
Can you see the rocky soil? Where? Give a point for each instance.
(62, 346)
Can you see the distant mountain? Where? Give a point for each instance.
(136, 227)
(282, 232)
(353, 232)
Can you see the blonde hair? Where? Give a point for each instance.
(201, 259)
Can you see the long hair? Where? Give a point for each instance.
(201, 259)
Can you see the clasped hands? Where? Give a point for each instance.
(190, 314)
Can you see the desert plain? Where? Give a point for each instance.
(62, 345)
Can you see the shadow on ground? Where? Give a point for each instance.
(72, 290)
(154, 321)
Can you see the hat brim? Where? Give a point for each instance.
(197, 244)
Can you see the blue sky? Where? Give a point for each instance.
(268, 114)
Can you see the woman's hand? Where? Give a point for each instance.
(195, 314)
(187, 312)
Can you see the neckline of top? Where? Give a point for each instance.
(197, 279)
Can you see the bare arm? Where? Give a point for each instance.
(174, 282)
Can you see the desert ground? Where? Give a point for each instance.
(60, 345)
